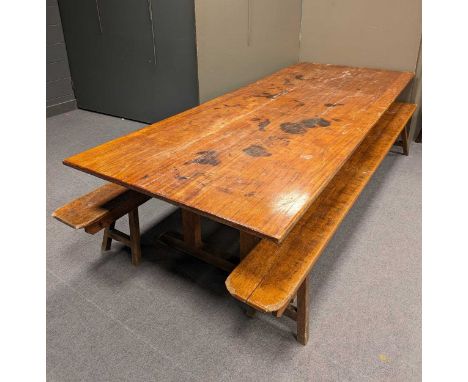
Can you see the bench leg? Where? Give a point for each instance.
(404, 140)
(135, 246)
(106, 239)
(303, 312)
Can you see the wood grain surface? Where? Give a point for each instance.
(268, 278)
(256, 158)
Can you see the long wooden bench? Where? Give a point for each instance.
(100, 209)
(272, 275)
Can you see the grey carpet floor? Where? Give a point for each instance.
(171, 318)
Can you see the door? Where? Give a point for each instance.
(132, 58)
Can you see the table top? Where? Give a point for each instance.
(257, 157)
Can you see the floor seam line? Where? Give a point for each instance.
(119, 322)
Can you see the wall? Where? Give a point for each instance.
(60, 97)
(371, 33)
(226, 58)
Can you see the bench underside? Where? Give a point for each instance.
(99, 208)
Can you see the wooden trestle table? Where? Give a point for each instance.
(256, 158)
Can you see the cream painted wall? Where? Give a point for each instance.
(225, 60)
(384, 34)
(372, 33)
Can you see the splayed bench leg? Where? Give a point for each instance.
(404, 140)
(106, 239)
(132, 240)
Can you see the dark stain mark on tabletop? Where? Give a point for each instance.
(178, 176)
(249, 194)
(313, 122)
(263, 124)
(300, 127)
(333, 104)
(266, 95)
(299, 77)
(336, 119)
(209, 157)
(225, 190)
(293, 128)
(145, 176)
(256, 151)
(272, 95)
(299, 103)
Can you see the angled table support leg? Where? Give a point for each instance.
(303, 312)
(247, 243)
(191, 224)
(191, 243)
(134, 236)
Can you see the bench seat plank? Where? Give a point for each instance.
(99, 208)
(268, 278)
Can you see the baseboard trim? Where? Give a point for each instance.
(60, 108)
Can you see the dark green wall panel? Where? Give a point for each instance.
(111, 50)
